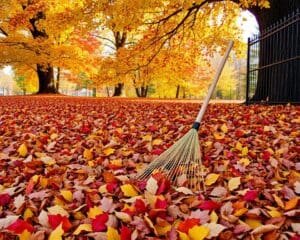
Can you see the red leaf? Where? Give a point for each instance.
(140, 206)
(296, 237)
(266, 155)
(250, 195)
(29, 187)
(125, 233)
(98, 223)
(209, 205)
(20, 226)
(111, 187)
(57, 219)
(4, 199)
(184, 226)
(157, 151)
(161, 204)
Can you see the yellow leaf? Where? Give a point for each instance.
(102, 188)
(58, 201)
(53, 136)
(275, 213)
(27, 214)
(157, 141)
(198, 232)
(83, 227)
(245, 151)
(211, 179)
(58, 210)
(239, 146)
(253, 223)
(129, 190)
(119, 130)
(213, 217)
(278, 201)
(183, 236)
(147, 138)
(117, 162)
(234, 183)
(57, 233)
(240, 212)
(43, 182)
(124, 217)
(87, 154)
(91, 163)
(162, 230)
(219, 136)
(79, 216)
(94, 211)
(291, 204)
(224, 128)
(22, 150)
(25, 235)
(112, 234)
(244, 161)
(108, 151)
(67, 195)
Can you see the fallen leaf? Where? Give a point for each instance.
(199, 232)
(234, 183)
(264, 229)
(22, 150)
(112, 234)
(67, 195)
(214, 229)
(57, 233)
(211, 178)
(129, 191)
(8, 220)
(152, 186)
(83, 228)
(292, 203)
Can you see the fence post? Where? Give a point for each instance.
(248, 73)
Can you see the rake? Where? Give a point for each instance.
(182, 161)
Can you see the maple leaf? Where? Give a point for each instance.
(20, 226)
(99, 222)
(250, 195)
(186, 225)
(125, 233)
(56, 220)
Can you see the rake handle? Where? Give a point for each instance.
(201, 112)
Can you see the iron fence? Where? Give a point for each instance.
(273, 65)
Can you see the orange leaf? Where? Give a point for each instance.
(291, 204)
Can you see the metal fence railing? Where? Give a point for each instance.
(273, 65)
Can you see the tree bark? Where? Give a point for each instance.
(118, 90)
(177, 91)
(46, 81)
(57, 79)
(94, 92)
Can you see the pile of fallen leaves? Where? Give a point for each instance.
(67, 168)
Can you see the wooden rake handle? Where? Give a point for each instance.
(200, 115)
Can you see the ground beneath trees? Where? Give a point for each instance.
(66, 164)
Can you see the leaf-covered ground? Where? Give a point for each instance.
(67, 168)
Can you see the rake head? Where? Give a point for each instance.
(182, 160)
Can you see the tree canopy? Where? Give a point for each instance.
(118, 41)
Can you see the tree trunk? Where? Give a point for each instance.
(94, 92)
(57, 79)
(278, 83)
(118, 90)
(46, 81)
(137, 91)
(177, 91)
